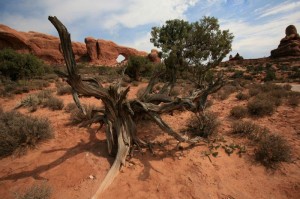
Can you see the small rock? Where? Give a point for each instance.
(91, 177)
(180, 158)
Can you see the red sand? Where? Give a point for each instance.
(68, 161)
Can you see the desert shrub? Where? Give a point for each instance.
(54, 103)
(270, 75)
(261, 106)
(273, 149)
(237, 74)
(244, 127)
(69, 107)
(109, 71)
(44, 94)
(43, 98)
(18, 66)
(242, 96)
(37, 191)
(293, 100)
(204, 124)
(287, 87)
(19, 132)
(248, 77)
(63, 90)
(77, 117)
(253, 91)
(224, 92)
(295, 74)
(238, 112)
(274, 97)
(267, 87)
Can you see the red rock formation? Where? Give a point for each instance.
(154, 56)
(44, 46)
(289, 45)
(106, 52)
(47, 47)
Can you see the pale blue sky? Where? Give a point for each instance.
(258, 25)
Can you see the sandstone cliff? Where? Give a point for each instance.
(47, 47)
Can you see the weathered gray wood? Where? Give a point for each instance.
(118, 112)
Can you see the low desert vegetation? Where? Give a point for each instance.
(293, 99)
(64, 90)
(245, 128)
(261, 107)
(77, 117)
(273, 149)
(138, 66)
(270, 149)
(204, 125)
(242, 96)
(42, 99)
(36, 191)
(19, 132)
(226, 91)
(238, 112)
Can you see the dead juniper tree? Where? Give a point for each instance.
(118, 112)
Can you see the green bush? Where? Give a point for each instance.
(204, 124)
(270, 75)
(37, 191)
(273, 149)
(238, 112)
(19, 132)
(138, 66)
(19, 66)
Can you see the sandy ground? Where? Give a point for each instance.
(67, 161)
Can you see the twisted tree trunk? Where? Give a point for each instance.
(118, 111)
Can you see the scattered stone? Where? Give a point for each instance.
(92, 177)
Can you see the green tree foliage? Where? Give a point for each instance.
(19, 66)
(137, 66)
(197, 46)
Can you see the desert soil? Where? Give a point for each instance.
(75, 162)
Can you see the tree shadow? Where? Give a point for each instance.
(159, 152)
(94, 146)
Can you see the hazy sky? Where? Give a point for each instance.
(258, 25)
